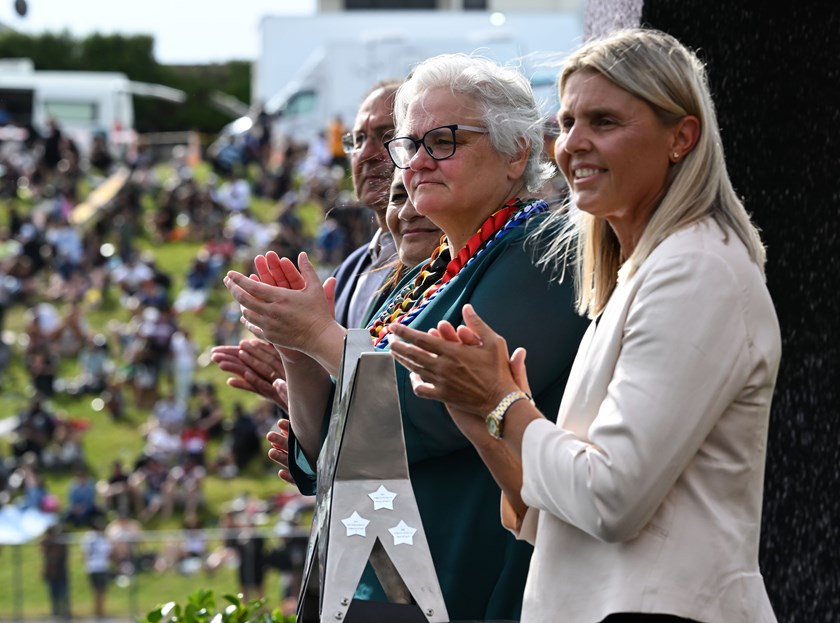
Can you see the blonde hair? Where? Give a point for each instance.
(659, 70)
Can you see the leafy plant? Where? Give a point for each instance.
(201, 608)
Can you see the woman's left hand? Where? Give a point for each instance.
(466, 368)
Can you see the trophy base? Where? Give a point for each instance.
(362, 611)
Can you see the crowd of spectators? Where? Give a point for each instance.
(61, 257)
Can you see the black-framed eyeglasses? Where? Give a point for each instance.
(355, 141)
(439, 144)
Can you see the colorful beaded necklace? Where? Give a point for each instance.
(440, 270)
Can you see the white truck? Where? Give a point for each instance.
(81, 102)
(311, 69)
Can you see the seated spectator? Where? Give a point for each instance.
(224, 465)
(159, 339)
(169, 411)
(234, 193)
(206, 216)
(124, 532)
(183, 353)
(163, 442)
(165, 218)
(35, 429)
(194, 439)
(183, 486)
(220, 250)
(146, 480)
(66, 449)
(330, 243)
(66, 245)
(82, 508)
(265, 416)
(28, 480)
(41, 355)
(193, 550)
(200, 274)
(228, 328)
(7, 468)
(114, 400)
(100, 155)
(245, 231)
(186, 552)
(200, 278)
(225, 554)
(33, 256)
(130, 274)
(42, 321)
(161, 277)
(318, 157)
(95, 367)
(245, 437)
(42, 362)
(140, 371)
(227, 158)
(151, 293)
(10, 286)
(116, 490)
(209, 413)
(72, 332)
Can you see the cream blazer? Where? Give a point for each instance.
(646, 495)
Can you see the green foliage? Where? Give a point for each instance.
(201, 607)
(57, 51)
(133, 55)
(199, 82)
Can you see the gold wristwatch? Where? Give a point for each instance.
(496, 419)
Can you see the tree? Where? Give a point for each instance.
(133, 55)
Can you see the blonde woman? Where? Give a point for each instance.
(643, 501)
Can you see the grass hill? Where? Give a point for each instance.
(105, 439)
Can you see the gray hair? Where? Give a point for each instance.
(503, 95)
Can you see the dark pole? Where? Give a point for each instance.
(18, 582)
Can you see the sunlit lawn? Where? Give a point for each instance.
(21, 589)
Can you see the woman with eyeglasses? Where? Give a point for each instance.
(469, 143)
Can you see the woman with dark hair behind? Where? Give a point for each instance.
(469, 143)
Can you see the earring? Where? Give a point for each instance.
(676, 156)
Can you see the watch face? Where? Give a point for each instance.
(493, 427)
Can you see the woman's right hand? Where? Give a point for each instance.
(467, 368)
(471, 427)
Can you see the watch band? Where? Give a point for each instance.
(496, 418)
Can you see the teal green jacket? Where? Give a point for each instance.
(481, 567)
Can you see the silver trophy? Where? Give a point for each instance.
(366, 510)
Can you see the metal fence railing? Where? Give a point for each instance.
(154, 567)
